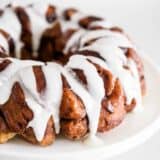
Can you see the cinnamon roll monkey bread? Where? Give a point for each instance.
(63, 72)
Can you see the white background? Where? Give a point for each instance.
(141, 19)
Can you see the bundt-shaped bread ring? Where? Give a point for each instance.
(64, 72)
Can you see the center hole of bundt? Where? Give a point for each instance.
(46, 53)
(48, 50)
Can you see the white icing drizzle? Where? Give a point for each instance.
(73, 40)
(41, 117)
(113, 37)
(10, 23)
(6, 89)
(53, 93)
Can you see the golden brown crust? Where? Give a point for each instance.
(4, 137)
(111, 117)
(48, 138)
(71, 106)
(74, 129)
(5, 133)
(15, 110)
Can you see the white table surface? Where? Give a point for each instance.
(140, 18)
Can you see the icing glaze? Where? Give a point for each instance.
(10, 23)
